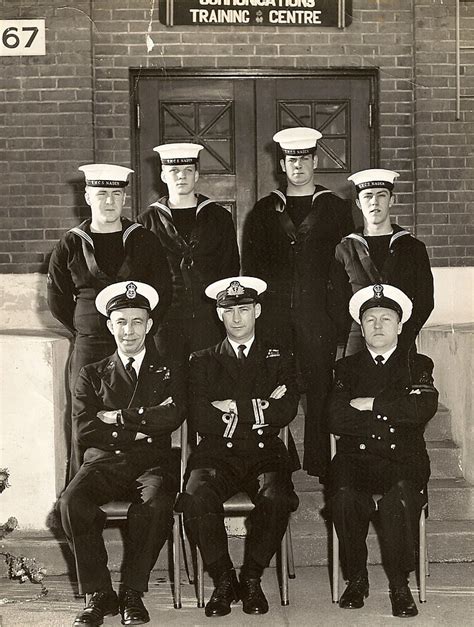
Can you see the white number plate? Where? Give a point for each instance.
(22, 38)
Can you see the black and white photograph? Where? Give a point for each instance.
(236, 312)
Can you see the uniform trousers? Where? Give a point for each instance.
(355, 479)
(213, 478)
(105, 477)
(311, 337)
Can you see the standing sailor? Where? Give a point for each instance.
(199, 238)
(289, 241)
(379, 252)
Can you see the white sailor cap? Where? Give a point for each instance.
(105, 175)
(125, 295)
(236, 290)
(380, 295)
(373, 178)
(178, 154)
(299, 140)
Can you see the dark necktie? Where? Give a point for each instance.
(241, 354)
(379, 360)
(132, 373)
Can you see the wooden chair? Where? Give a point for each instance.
(423, 563)
(241, 505)
(116, 511)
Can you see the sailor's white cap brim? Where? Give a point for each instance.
(247, 282)
(389, 291)
(374, 178)
(110, 292)
(184, 152)
(297, 138)
(105, 175)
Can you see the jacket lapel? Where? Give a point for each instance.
(224, 354)
(119, 387)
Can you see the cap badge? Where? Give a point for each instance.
(131, 290)
(235, 289)
(378, 291)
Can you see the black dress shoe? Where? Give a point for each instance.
(403, 603)
(253, 599)
(132, 608)
(225, 592)
(100, 604)
(353, 597)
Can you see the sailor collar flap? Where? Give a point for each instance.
(358, 237)
(282, 196)
(162, 205)
(83, 231)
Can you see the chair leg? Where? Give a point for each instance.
(335, 566)
(291, 558)
(200, 579)
(284, 570)
(422, 555)
(177, 562)
(184, 550)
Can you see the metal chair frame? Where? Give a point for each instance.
(423, 562)
(117, 511)
(241, 504)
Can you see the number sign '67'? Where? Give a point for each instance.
(22, 38)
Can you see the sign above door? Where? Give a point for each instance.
(335, 13)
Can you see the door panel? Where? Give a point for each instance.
(235, 118)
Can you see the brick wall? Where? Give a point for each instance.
(72, 106)
(444, 146)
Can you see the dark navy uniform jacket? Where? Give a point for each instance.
(106, 386)
(74, 278)
(405, 400)
(216, 374)
(211, 253)
(407, 267)
(294, 261)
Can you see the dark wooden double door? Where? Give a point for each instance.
(234, 117)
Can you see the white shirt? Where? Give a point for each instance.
(384, 355)
(137, 360)
(235, 346)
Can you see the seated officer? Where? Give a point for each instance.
(382, 399)
(125, 408)
(242, 392)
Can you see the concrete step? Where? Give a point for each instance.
(439, 427)
(445, 458)
(448, 541)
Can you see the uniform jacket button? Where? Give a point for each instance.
(260, 431)
(379, 417)
(149, 440)
(229, 445)
(114, 434)
(261, 445)
(143, 422)
(373, 435)
(392, 446)
(118, 451)
(141, 410)
(392, 429)
(362, 447)
(385, 418)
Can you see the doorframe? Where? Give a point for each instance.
(136, 74)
